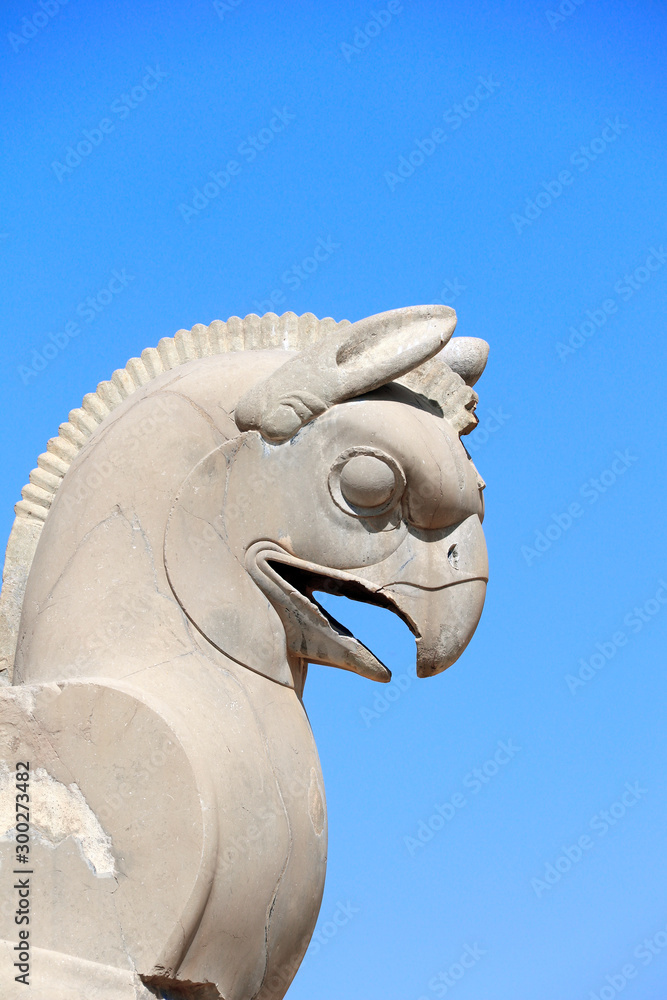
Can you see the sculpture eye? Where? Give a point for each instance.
(366, 482)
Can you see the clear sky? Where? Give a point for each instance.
(177, 163)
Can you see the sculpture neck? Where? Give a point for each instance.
(98, 600)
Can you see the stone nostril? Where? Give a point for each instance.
(453, 556)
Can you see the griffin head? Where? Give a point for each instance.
(348, 477)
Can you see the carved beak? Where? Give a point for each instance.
(435, 582)
(443, 620)
(438, 585)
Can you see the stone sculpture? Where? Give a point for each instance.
(158, 617)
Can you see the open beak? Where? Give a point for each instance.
(435, 581)
(311, 632)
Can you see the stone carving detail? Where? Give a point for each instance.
(158, 616)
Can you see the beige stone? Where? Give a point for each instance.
(157, 620)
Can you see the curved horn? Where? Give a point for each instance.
(356, 360)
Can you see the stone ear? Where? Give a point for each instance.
(359, 358)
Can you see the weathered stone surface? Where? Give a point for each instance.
(163, 562)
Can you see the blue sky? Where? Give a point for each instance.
(508, 160)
